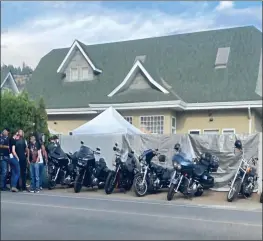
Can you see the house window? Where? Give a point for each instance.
(128, 118)
(211, 132)
(173, 125)
(153, 124)
(194, 132)
(74, 74)
(85, 73)
(228, 131)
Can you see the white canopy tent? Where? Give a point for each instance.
(108, 122)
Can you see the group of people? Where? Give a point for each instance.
(15, 155)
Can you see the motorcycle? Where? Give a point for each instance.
(244, 180)
(122, 176)
(90, 173)
(101, 171)
(152, 176)
(192, 177)
(59, 169)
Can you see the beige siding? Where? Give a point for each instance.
(185, 121)
(222, 119)
(66, 123)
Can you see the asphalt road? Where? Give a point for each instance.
(26, 216)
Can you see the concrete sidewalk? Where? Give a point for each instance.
(209, 198)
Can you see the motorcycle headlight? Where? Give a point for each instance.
(82, 162)
(177, 166)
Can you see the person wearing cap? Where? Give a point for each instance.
(4, 157)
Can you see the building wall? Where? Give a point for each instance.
(185, 121)
(222, 119)
(65, 123)
(256, 122)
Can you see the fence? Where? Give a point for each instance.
(219, 145)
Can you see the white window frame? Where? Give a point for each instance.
(142, 126)
(71, 71)
(194, 130)
(212, 129)
(82, 76)
(228, 129)
(128, 118)
(173, 128)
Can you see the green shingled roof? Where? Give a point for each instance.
(185, 62)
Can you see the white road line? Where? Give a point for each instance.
(161, 203)
(129, 213)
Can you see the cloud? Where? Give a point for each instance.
(223, 5)
(95, 23)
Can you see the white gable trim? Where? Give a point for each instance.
(14, 85)
(74, 45)
(128, 76)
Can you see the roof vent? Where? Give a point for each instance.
(222, 57)
(141, 58)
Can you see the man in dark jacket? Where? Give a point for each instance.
(4, 157)
(21, 150)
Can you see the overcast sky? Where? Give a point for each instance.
(29, 30)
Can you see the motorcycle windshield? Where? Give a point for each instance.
(85, 152)
(56, 151)
(181, 158)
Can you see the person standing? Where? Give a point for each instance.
(21, 150)
(34, 154)
(4, 157)
(14, 163)
(42, 165)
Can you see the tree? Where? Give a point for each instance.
(41, 118)
(18, 111)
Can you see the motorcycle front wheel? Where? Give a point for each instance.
(110, 183)
(171, 192)
(140, 187)
(51, 183)
(233, 192)
(78, 183)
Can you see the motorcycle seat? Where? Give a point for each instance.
(199, 170)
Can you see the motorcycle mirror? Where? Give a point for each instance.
(116, 144)
(156, 149)
(82, 143)
(114, 148)
(97, 149)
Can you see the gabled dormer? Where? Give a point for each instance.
(138, 78)
(9, 84)
(77, 65)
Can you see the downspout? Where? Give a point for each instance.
(249, 121)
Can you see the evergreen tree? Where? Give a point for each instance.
(41, 125)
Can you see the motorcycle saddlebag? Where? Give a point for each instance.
(207, 181)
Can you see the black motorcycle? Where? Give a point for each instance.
(192, 178)
(244, 180)
(152, 176)
(60, 167)
(122, 176)
(90, 173)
